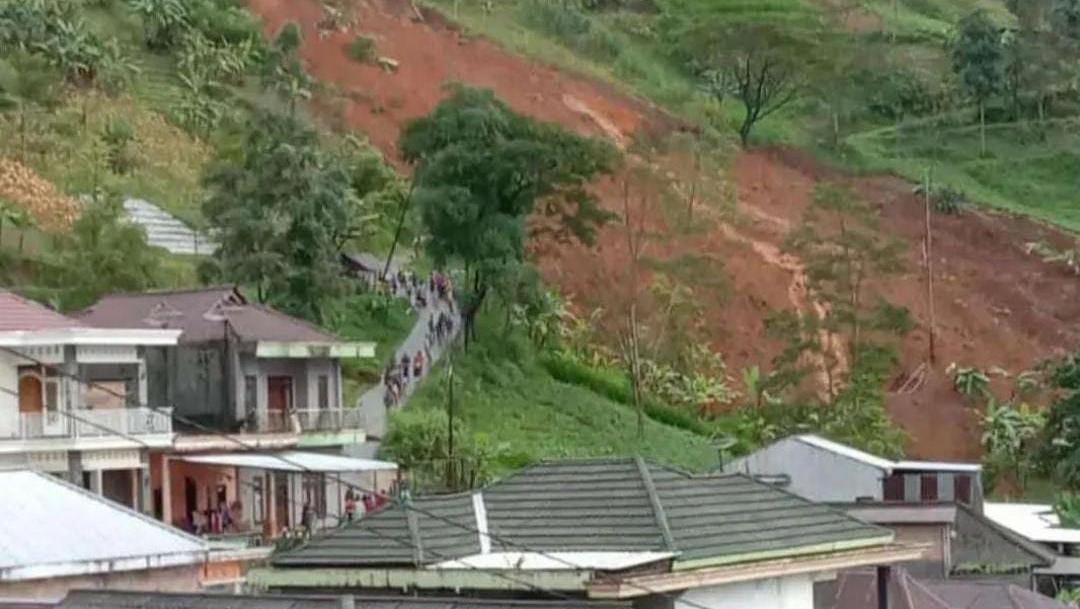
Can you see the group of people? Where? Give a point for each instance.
(370, 502)
(422, 295)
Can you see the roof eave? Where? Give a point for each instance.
(643, 585)
(90, 336)
(307, 349)
(419, 578)
(109, 565)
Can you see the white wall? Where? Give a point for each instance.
(9, 404)
(817, 474)
(791, 592)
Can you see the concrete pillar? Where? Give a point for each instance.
(143, 496)
(141, 379)
(271, 505)
(883, 587)
(75, 468)
(166, 491)
(96, 477)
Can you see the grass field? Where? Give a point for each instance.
(503, 390)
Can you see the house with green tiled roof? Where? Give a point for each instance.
(611, 529)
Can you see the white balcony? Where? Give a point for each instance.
(328, 419)
(105, 426)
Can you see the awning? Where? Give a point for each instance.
(293, 461)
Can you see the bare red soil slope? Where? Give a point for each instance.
(995, 304)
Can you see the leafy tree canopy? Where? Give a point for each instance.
(978, 55)
(282, 207)
(481, 169)
(103, 254)
(1060, 453)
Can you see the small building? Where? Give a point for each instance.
(823, 470)
(55, 537)
(597, 529)
(75, 401)
(963, 544)
(243, 379)
(238, 366)
(1040, 524)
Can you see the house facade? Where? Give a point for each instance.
(823, 470)
(245, 378)
(74, 400)
(601, 529)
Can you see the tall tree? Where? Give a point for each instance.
(103, 253)
(280, 209)
(978, 58)
(283, 71)
(481, 169)
(758, 63)
(843, 252)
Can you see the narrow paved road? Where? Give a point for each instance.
(372, 405)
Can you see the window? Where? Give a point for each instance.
(314, 493)
(324, 391)
(893, 487)
(962, 488)
(928, 487)
(251, 396)
(258, 500)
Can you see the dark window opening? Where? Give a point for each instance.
(928, 487)
(894, 488)
(962, 489)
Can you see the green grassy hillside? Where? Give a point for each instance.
(1027, 169)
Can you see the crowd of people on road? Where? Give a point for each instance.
(423, 296)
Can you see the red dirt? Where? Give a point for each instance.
(996, 305)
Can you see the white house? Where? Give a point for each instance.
(73, 399)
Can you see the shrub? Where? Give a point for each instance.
(118, 136)
(613, 386)
(362, 49)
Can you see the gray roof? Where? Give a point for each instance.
(858, 590)
(611, 505)
(112, 599)
(39, 537)
(200, 313)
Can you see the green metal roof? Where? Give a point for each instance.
(613, 505)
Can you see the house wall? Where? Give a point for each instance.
(196, 379)
(790, 592)
(175, 579)
(934, 563)
(816, 474)
(206, 479)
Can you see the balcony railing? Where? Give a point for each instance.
(88, 423)
(325, 419)
(270, 421)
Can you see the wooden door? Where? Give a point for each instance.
(279, 393)
(30, 396)
(281, 499)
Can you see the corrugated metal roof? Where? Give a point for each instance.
(18, 313)
(51, 528)
(846, 451)
(293, 461)
(600, 505)
(885, 464)
(113, 599)
(1033, 521)
(938, 466)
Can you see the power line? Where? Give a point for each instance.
(404, 504)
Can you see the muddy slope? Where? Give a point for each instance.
(995, 304)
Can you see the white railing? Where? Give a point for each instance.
(327, 419)
(92, 423)
(271, 421)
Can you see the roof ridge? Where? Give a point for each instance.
(657, 505)
(117, 506)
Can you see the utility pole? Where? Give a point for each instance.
(450, 416)
(929, 266)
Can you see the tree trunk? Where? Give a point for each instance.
(397, 230)
(744, 131)
(982, 127)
